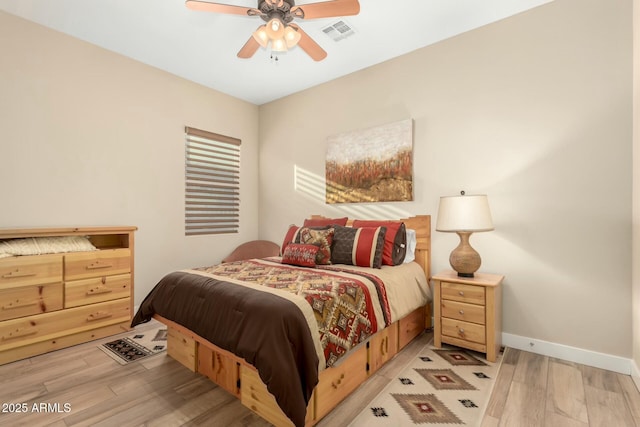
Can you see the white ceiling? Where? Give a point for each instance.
(202, 46)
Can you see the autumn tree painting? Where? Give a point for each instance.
(371, 165)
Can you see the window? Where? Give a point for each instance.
(212, 175)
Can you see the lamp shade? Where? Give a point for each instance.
(260, 35)
(464, 213)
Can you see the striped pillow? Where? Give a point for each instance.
(395, 241)
(358, 246)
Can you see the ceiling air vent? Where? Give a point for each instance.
(338, 31)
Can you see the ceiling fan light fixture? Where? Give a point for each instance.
(275, 29)
(261, 36)
(291, 36)
(279, 45)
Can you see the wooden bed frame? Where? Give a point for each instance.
(241, 379)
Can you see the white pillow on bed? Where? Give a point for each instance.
(410, 256)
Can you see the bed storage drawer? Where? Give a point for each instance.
(182, 348)
(98, 289)
(337, 382)
(29, 300)
(107, 262)
(220, 368)
(255, 396)
(32, 329)
(382, 347)
(30, 270)
(411, 326)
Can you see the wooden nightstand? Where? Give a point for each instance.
(468, 312)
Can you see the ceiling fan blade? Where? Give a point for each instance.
(220, 8)
(326, 9)
(249, 48)
(307, 44)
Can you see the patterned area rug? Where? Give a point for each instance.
(137, 346)
(440, 387)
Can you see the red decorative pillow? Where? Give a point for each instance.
(360, 246)
(322, 239)
(395, 240)
(321, 222)
(298, 254)
(290, 237)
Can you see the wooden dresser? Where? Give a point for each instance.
(52, 301)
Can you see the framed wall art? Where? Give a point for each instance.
(371, 165)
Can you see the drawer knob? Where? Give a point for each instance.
(461, 293)
(461, 331)
(99, 315)
(461, 312)
(99, 290)
(19, 304)
(20, 332)
(17, 274)
(96, 265)
(336, 384)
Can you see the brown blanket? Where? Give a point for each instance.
(251, 324)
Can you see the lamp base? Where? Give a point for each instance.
(464, 259)
(465, 274)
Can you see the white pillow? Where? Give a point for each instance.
(410, 255)
(45, 245)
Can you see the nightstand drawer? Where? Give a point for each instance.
(464, 293)
(462, 311)
(464, 330)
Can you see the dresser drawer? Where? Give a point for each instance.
(28, 300)
(84, 265)
(28, 330)
(30, 270)
(98, 289)
(462, 311)
(464, 293)
(463, 330)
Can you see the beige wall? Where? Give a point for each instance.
(636, 192)
(534, 111)
(88, 137)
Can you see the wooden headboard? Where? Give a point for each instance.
(422, 225)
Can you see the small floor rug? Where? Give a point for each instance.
(440, 387)
(137, 346)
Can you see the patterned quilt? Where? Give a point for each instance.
(341, 299)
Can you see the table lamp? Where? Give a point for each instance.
(463, 215)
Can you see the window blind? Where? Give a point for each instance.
(212, 176)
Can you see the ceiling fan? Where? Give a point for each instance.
(279, 30)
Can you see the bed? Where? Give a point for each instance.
(292, 336)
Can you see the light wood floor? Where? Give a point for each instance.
(531, 390)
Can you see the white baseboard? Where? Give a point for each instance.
(572, 354)
(635, 374)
